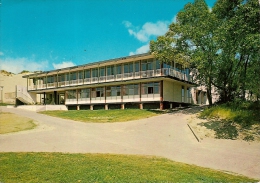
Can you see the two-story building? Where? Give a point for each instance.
(138, 81)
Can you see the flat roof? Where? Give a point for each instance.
(104, 62)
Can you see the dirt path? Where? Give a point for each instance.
(166, 135)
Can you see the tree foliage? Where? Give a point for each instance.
(222, 45)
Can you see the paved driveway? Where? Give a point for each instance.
(166, 135)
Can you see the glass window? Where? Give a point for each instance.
(84, 93)
(61, 77)
(150, 88)
(50, 79)
(157, 64)
(94, 72)
(87, 73)
(108, 91)
(116, 91)
(128, 68)
(81, 74)
(73, 75)
(118, 69)
(137, 66)
(110, 70)
(102, 71)
(72, 94)
(100, 92)
(93, 92)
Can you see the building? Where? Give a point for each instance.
(138, 81)
(13, 89)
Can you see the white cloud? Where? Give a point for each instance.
(148, 29)
(142, 49)
(1, 53)
(16, 65)
(63, 65)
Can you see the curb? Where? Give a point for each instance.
(193, 133)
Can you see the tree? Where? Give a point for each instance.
(192, 42)
(238, 40)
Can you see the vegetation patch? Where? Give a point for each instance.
(104, 116)
(60, 167)
(237, 120)
(10, 122)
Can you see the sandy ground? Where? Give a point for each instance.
(166, 135)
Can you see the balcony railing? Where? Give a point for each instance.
(118, 77)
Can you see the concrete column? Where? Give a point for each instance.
(106, 106)
(91, 107)
(170, 105)
(141, 106)
(123, 106)
(78, 107)
(161, 105)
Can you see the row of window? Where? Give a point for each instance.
(130, 67)
(113, 91)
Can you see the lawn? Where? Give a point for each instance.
(104, 116)
(60, 167)
(10, 122)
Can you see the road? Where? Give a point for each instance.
(166, 136)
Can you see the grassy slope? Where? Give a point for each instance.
(13, 123)
(232, 120)
(58, 167)
(104, 116)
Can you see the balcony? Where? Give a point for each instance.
(118, 77)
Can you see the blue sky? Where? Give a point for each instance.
(51, 34)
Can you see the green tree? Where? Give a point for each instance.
(190, 41)
(238, 39)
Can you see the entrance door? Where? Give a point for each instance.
(61, 98)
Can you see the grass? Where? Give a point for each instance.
(60, 167)
(104, 116)
(234, 120)
(10, 122)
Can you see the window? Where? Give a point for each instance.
(87, 73)
(188, 95)
(81, 74)
(50, 79)
(61, 77)
(137, 66)
(72, 94)
(94, 73)
(84, 93)
(147, 65)
(182, 93)
(128, 68)
(108, 91)
(100, 92)
(73, 76)
(131, 90)
(115, 91)
(110, 70)
(102, 71)
(157, 64)
(150, 88)
(118, 69)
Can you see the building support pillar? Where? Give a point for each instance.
(161, 105)
(141, 106)
(123, 106)
(78, 107)
(170, 105)
(161, 95)
(106, 106)
(91, 107)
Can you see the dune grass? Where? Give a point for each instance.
(234, 120)
(60, 167)
(10, 122)
(104, 116)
